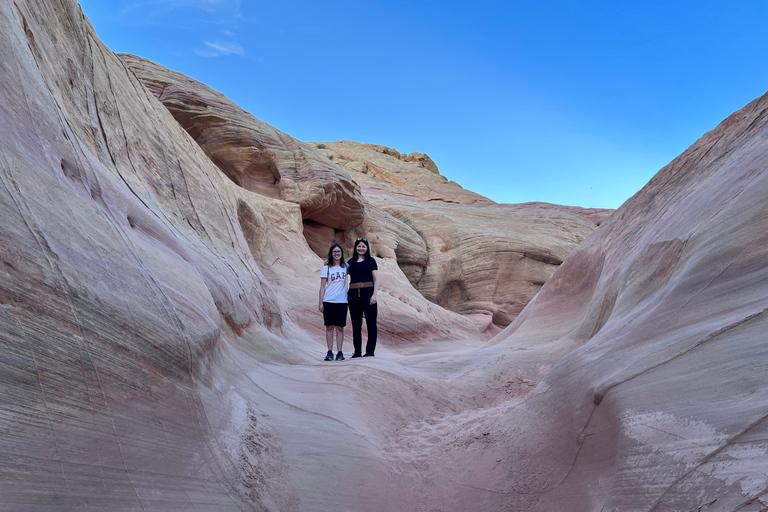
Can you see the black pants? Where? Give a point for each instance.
(359, 305)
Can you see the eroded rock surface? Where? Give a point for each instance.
(381, 168)
(143, 291)
(122, 273)
(650, 339)
(476, 257)
(253, 154)
(460, 250)
(160, 345)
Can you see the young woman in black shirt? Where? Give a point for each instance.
(363, 289)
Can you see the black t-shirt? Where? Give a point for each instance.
(361, 272)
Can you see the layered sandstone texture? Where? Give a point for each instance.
(251, 153)
(160, 344)
(158, 293)
(649, 353)
(459, 249)
(123, 272)
(479, 258)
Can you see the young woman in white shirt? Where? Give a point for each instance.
(333, 300)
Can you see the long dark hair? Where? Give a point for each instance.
(342, 264)
(367, 258)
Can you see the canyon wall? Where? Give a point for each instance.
(648, 353)
(160, 342)
(459, 249)
(158, 289)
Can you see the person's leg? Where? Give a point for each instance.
(328, 321)
(356, 317)
(340, 322)
(339, 337)
(371, 312)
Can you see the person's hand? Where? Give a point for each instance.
(320, 307)
(373, 299)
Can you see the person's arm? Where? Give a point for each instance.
(323, 282)
(375, 274)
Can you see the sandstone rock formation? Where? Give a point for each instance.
(122, 274)
(151, 286)
(251, 153)
(650, 339)
(231, 137)
(385, 169)
(485, 260)
(159, 344)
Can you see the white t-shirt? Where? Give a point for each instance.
(336, 287)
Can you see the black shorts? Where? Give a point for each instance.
(335, 313)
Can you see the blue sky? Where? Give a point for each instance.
(568, 102)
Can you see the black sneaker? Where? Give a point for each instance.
(368, 355)
(329, 356)
(339, 356)
(355, 355)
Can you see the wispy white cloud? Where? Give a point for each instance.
(153, 7)
(216, 22)
(218, 48)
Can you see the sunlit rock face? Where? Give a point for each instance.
(656, 329)
(123, 273)
(331, 204)
(160, 344)
(460, 250)
(158, 295)
(478, 258)
(251, 153)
